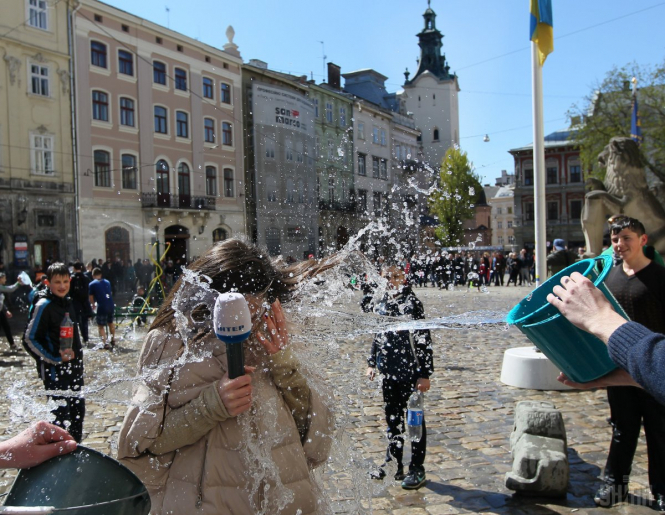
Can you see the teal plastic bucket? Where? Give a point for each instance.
(578, 354)
(84, 482)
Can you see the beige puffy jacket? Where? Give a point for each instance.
(196, 459)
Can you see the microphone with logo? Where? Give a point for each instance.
(233, 325)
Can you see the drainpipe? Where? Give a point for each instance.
(72, 99)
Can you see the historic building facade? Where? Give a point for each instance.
(564, 192)
(37, 176)
(159, 133)
(503, 218)
(333, 113)
(280, 171)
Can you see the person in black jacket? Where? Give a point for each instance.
(405, 360)
(80, 299)
(59, 369)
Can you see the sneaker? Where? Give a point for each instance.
(610, 494)
(414, 479)
(400, 475)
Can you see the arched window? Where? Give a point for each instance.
(163, 189)
(435, 135)
(227, 134)
(102, 169)
(183, 185)
(219, 235)
(211, 181)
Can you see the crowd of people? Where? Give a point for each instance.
(445, 269)
(188, 416)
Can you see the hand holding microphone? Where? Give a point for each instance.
(233, 325)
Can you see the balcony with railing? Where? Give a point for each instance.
(172, 201)
(346, 206)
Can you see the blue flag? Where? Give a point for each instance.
(635, 124)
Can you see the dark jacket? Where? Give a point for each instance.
(641, 353)
(391, 351)
(560, 259)
(78, 288)
(42, 334)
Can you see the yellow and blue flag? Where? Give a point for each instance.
(635, 123)
(542, 24)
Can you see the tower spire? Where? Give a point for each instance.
(430, 42)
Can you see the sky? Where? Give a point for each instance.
(486, 43)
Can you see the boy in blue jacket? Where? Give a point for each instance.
(404, 358)
(59, 369)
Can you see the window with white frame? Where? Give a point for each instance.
(208, 88)
(42, 154)
(161, 125)
(331, 149)
(500, 240)
(375, 167)
(102, 161)
(375, 135)
(329, 112)
(384, 169)
(270, 147)
(499, 225)
(182, 124)
(225, 90)
(509, 224)
(39, 80)
(125, 62)
(228, 183)
(180, 79)
(211, 181)
(383, 137)
(342, 116)
(315, 101)
(361, 130)
(209, 130)
(227, 134)
(511, 240)
(100, 106)
(362, 164)
(159, 73)
(98, 54)
(127, 112)
(129, 172)
(38, 14)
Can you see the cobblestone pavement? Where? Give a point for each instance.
(469, 416)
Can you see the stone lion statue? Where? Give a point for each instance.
(624, 191)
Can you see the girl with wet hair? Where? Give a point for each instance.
(204, 443)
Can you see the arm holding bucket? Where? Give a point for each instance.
(38, 443)
(585, 306)
(638, 351)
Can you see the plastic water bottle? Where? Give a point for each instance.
(414, 416)
(66, 333)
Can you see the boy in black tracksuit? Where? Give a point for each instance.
(59, 369)
(403, 372)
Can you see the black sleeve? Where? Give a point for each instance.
(422, 341)
(371, 359)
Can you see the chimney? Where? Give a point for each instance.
(333, 76)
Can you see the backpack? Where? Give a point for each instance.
(79, 288)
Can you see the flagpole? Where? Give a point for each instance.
(538, 167)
